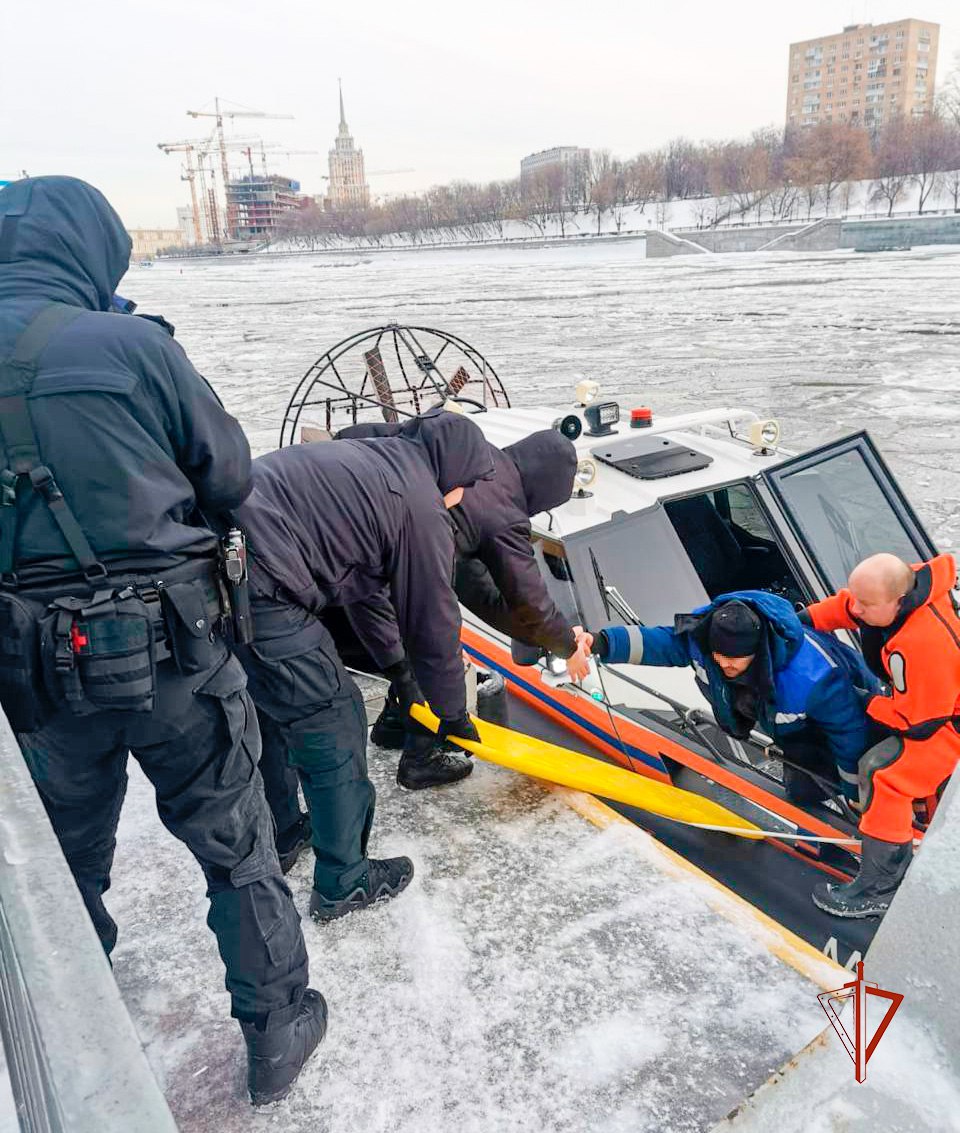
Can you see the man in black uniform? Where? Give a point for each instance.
(360, 524)
(112, 446)
(497, 578)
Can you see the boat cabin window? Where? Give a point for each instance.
(844, 505)
(730, 544)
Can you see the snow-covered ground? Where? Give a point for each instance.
(828, 342)
(853, 199)
(539, 974)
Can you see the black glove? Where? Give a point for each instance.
(460, 728)
(404, 685)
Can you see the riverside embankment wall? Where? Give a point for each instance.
(820, 236)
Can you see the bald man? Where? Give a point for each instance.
(909, 626)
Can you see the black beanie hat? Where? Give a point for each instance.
(735, 630)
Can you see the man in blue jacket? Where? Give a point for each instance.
(759, 668)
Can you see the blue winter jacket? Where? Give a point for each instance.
(812, 677)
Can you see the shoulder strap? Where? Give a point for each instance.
(17, 375)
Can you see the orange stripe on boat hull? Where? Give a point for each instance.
(546, 699)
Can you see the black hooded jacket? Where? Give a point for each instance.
(362, 523)
(136, 439)
(497, 576)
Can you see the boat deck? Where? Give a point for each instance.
(550, 967)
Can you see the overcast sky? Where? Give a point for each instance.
(451, 90)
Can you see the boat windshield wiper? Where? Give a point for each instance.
(611, 596)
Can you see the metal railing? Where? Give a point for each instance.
(74, 1060)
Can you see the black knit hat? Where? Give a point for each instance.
(735, 630)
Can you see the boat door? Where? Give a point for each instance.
(842, 504)
(634, 565)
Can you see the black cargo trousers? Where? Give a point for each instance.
(314, 729)
(200, 747)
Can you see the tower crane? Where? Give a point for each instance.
(188, 149)
(218, 114)
(201, 149)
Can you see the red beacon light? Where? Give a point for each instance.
(641, 418)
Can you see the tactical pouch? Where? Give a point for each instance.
(189, 614)
(22, 691)
(104, 654)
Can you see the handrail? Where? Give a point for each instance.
(75, 1062)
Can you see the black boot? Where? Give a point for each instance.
(388, 730)
(382, 880)
(293, 841)
(275, 1058)
(427, 763)
(871, 891)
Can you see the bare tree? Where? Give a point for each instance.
(948, 96)
(602, 189)
(501, 199)
(685, 172)
(891, 164)
(824, 157)
(930, 154)
(951, 177)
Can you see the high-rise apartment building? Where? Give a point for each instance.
(348, 186)
(865, 75)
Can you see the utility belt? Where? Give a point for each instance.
(100, 652)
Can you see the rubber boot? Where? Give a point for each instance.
(427, 763)
(275, 1058)
(292, 842)
(388, 730)
(869, 894)
(382, 879)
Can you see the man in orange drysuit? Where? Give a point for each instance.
(910, 631)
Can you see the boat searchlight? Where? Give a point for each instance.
(765, 435)
(586, 390)
(586, 473)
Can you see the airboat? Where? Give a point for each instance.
(667, 513)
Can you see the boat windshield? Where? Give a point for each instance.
(844, 504)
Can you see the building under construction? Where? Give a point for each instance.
(256, 202)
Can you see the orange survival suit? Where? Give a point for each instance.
(919, 653)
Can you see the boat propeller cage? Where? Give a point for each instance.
(388, 373)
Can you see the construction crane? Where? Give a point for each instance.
(387, 172)
(200, 149)
(188, 149)
(219, 116)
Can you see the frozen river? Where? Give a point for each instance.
(828, 342)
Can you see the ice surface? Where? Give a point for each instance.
(909, 1088)
(828, 342)
(538, 974)
(8, 1112)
